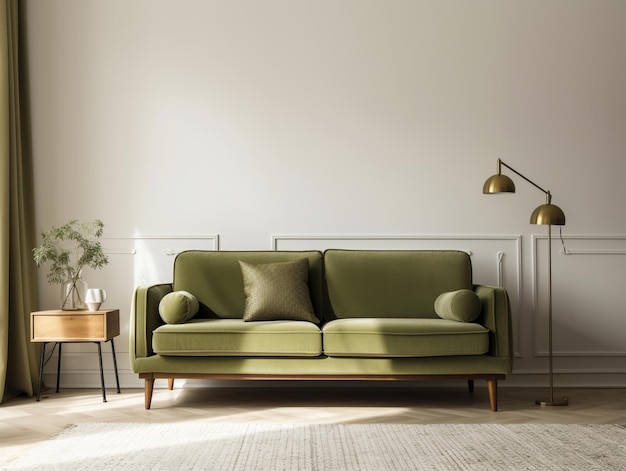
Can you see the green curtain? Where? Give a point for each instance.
(18, 282)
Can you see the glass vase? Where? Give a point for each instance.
(73, 293)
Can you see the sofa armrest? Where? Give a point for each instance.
(496, 316)
(144, 318)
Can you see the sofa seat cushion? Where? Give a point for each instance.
(234, 337)
(402, 337)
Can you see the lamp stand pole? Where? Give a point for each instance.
(547, 214)
(551, 401)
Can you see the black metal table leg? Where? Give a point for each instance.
(104, 396)
(41, 362)
(59, 367)
(117, 379)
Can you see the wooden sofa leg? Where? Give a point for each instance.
(492, 385)
(149, 386)
(470, 385)
(170, 383)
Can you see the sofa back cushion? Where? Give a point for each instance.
(370, 283)
(215, 278)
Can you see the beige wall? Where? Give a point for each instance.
(353, 123)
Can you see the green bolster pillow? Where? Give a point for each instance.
(462, 305)
(178, 307)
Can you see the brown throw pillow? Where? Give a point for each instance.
(277, 291)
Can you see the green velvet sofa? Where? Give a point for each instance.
(374, 315)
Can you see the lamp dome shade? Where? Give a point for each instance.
(499, 184)
(548, 214)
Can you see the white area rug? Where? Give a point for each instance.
(269, 447)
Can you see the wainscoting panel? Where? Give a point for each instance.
(133, 261)
(588, 288)
(496, 260)
(589, 295)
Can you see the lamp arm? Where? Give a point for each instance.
(500, 162)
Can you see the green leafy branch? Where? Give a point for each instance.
(70, 248)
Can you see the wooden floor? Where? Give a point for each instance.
(24, 422)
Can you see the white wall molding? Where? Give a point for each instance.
(587, 283)
(618, 240)
(110, 247)
(276, 240)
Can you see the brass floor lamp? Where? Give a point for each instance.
(546, 214)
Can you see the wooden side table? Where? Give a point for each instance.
(75, 327)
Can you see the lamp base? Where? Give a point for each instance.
(562, 401)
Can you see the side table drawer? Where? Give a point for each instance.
(54, 326)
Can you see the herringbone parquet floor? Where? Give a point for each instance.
(24, 422)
